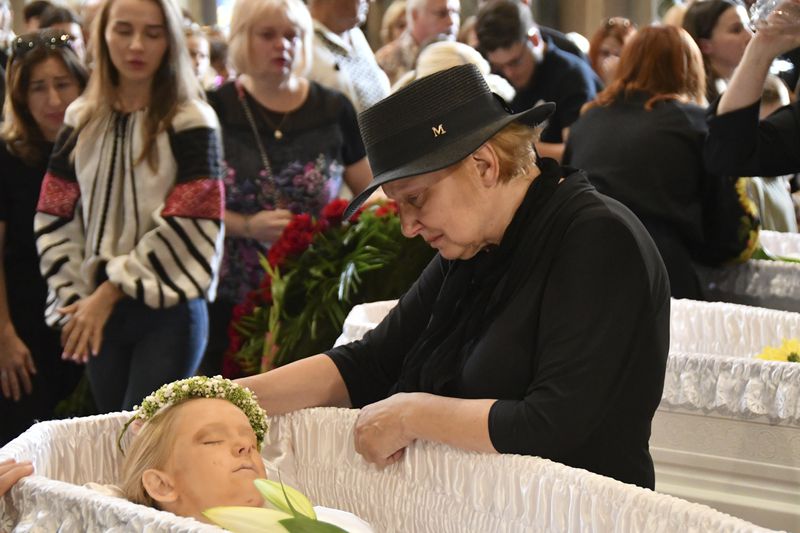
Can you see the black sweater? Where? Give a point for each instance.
(576, 359)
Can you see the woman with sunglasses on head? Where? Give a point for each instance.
(606, 44)
(129, 222)
(44, 76)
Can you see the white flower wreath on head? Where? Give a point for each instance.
(201, 387)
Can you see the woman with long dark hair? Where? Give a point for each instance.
(44, 76)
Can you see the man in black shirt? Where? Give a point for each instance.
(538, 69)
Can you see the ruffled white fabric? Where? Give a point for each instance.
(781, 244)
(710, 366)
(771, 284)
(434, 488)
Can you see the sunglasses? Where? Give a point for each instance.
(49, 38)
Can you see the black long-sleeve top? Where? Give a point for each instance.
(575, 359)
(739, 144)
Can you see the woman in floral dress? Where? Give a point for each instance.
(290, 144)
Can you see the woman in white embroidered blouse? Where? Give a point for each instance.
(129, 222)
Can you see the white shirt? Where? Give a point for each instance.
(348, 65)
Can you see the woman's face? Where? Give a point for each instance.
(725, 48)
(136, 35)
(448, 208)
(608, 56)
(214, 458)
(50, 90)
(275, 46)
(199, 52)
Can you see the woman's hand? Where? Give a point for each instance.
(781, 32)
(16, 365)
(382, 433)
(267, 226)
(84, 331)
(11, 472)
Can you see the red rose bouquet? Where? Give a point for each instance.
(314, 274)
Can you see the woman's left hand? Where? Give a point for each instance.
(84, 331)
(382, 432)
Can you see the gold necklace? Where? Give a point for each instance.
(278, 133)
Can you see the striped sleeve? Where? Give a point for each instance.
(59, 231)
(179, 259)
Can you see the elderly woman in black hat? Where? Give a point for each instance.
(540, 328)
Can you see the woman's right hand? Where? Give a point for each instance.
(781, 32)
(267, 226)
(16, 365)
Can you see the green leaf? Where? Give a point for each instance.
(285, 498)
(302, 524)
(248, 519)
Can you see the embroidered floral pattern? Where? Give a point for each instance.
(201, 198)
(58, 197)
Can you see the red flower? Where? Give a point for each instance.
(333, 211)
(389, 208)
(230, 368)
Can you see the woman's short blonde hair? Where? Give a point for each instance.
(515, 150)
(247, 13)
(443, 55)
(151, 448)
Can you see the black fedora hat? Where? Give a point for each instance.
(433, 123)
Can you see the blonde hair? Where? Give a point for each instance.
(446, 54)
(393, 14)
(174, 82)
(151, 448)
(246, 13)
(515, 150)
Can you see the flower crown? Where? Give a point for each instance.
(202, 387)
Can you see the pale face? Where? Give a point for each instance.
(609, 51)
(74, 30)
(728, 40)
(200, 52)
(448, 208)
(136, 36)
(275, 45)
(437, 17)
(52, 88)
(214, 459)
(515, 63)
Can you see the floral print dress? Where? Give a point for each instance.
(319, 140)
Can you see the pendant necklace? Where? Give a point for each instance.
(277, 129)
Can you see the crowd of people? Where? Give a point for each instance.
(148, 163)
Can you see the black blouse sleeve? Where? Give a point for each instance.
(739, 145)
(594, 332)
(353, 150)
(371, 366)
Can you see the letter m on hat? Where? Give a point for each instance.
(438, 130)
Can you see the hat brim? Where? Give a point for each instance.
(451, 154)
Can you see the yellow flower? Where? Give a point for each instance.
(788, 351)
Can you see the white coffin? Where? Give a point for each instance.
(433, 489)
(771, 284)
(727, 432)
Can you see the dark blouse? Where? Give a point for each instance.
(320, 139)
(651, 161)
(576, 359)
(19, 192)
(741, 145)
